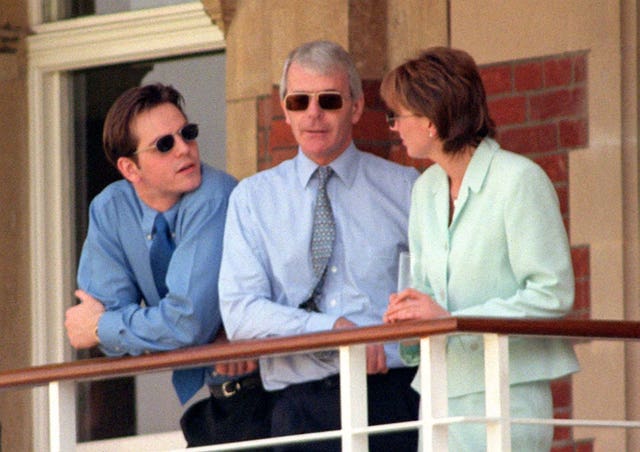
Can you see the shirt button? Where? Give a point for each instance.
(474, 347)
(334, 269)
(333, 303)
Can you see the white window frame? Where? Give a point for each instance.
(53, 50)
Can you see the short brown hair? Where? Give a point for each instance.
(117, 138)
(444, 85)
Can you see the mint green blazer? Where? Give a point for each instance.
(505, 254)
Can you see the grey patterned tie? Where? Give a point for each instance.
(322, 238)
(323, 235)
(324, 230)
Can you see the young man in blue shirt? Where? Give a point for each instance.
(127, 306)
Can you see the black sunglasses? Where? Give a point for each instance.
(165, 143)
(328, 100)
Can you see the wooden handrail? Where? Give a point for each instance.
(100, 368)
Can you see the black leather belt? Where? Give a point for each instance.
(233, 387)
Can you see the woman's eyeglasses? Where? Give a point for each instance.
(165, 143)
(392, 118)
(328, 100)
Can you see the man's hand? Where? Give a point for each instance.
(81, 321)
(376, 358)
(233, 368)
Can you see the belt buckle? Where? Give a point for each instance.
(229, 388)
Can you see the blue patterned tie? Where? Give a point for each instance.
(186, 381)
(324, 230)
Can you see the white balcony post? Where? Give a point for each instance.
(434, 400)
(62, 416)
(496, 375)
(353, 397)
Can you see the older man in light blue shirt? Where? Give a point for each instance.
(267, 273)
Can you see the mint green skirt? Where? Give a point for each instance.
(528, 400)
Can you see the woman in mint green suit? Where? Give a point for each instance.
(486, 239)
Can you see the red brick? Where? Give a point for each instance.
(580, 259)
(585, 445)
(563, 448)
(530, 139)
(264, 163)
(582, 302)
(372, 99)
(263, 143)
(281, 135)
(574, 133)
(556, 166)
(398, 154)
(528, 76)
(372, 126)
(563, 199)
(264, 112)
(561, 392)
(562, 434)
(496, 79)
(280, 155)
(509, 110)
(580, 68)
(557, 72)
(578, 315)
(276, 106)
(381, 150)
(558, 104)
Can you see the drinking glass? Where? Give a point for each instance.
(404, 270)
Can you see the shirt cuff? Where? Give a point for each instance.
(108, 332)
(320, 322)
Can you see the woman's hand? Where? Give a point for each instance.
(411, 304)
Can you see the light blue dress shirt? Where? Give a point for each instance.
(504, 254)
(114, 268)
(266, 265)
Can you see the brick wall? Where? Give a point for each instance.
(540, 109)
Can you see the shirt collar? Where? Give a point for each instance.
(343, 167)
(475, 173)
(149, 216)
(479, 165)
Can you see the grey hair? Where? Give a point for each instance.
(324, 57)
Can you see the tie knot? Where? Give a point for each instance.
(160, 225)
(324, 173)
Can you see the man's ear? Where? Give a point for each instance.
(357, 108)
(286, 112)
(129, 169)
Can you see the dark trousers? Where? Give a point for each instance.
(315, 406)
(244, 416)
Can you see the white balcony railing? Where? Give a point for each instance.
(354, 431)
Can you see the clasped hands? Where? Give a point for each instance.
(411, 304)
